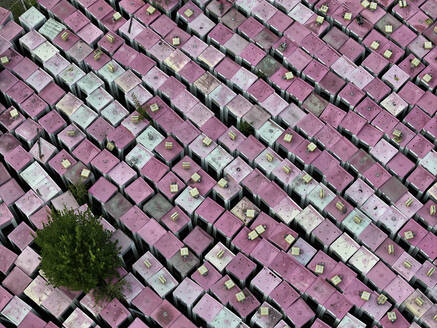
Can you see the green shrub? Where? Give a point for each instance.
(80, 192)
(245, 128)
(78, 253)
(18, 7)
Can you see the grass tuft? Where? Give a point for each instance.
(142, 112)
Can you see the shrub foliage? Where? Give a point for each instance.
(80, 192)
(78, 253)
